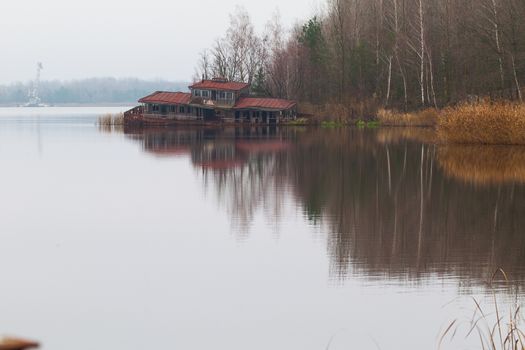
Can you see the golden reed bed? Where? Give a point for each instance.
(484, 122)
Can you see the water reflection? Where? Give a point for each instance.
(484, 165)
(239, 163)
(391, 202)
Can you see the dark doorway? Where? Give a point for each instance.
(265, 117)
(273, 118)
(213, 95)
(246, 116)
(163, 109)
(237, 116)
(209, 114)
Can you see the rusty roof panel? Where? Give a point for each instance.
(220, 85)
(167, 97)
(270, 103)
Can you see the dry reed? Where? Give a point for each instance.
(484, 122)
(111, 122)
(494, 330)
(427, 117)
(110, 119)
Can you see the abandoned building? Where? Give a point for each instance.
(216, 100)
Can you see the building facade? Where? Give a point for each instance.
(216, 100)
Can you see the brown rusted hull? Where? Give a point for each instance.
(141, 120)
(135, 117)
(8, 343)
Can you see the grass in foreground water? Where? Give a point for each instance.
(110, 119)
(496, 330)
(110, 122)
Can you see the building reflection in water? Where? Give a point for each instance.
(392, 203)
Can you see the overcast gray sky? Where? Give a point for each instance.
(121, 38)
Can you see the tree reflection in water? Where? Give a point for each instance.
(393, 203)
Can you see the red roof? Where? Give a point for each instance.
(219, 85)
(167, 97)
(270, 103)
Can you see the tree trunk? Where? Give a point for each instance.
(516, 80)
(498, 42)
(389, 84)
(422, 53)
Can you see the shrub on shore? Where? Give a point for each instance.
(425, 117)
(485, 122)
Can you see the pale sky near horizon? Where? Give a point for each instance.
(148, 39)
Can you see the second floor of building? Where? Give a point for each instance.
(218, 91)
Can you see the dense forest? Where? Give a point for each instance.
(405, 54)
(89, 91)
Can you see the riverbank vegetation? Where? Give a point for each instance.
(427, 117)
(485, 122)
(496, 122)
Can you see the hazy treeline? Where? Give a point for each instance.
(94, 90)
(398, 53)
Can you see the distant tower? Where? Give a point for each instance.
(34, 98)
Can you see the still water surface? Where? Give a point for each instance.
(260, 238)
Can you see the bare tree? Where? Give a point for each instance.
(204, 66)
(236, 56)
(339, 15)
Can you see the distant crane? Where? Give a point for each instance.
(33, 95)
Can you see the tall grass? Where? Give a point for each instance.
(111, 122)
(495, 328)
(110, 119)
(425, 117)
(484, 122)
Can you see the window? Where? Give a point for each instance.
(222, 95)
(197, 92)
(172, 109)
(229, 96)
(181, 109)
(189, 110)
(205, 93)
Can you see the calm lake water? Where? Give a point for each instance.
(256, 238)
